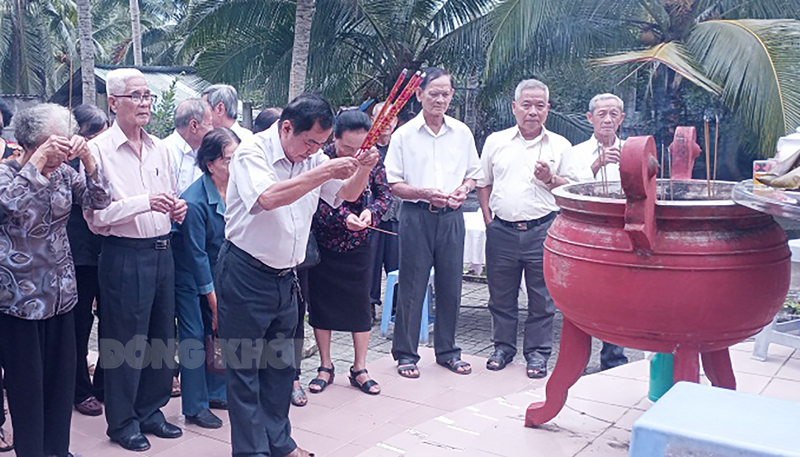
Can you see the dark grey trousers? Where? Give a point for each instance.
(509, 253)
(257, 318)
(428, 240)
(612, 356)
(137, 288)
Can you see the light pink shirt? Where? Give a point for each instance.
(132, 181)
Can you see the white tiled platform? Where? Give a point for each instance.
(443, 414)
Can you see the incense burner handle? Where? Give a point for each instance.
(683, 151)
(638, 169)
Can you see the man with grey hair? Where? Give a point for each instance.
(595, 159)
(521, 165)
(224, 101)
(599, 155)
(192, 122)
(137, 275)
(432, 164)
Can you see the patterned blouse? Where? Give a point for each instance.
(37, 276)
(329, 225)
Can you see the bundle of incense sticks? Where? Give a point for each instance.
(388, 113)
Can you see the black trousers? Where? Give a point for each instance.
(509, 254)
(2, 399)
(385, 256)
(40, 380)
(137, 332)
(612, 356)
(429, 240)
(88, 290)
(257, 318)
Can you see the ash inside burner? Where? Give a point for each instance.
(694, 190)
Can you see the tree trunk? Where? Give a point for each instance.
(87, 51)
(471, 102)
(136, 29)
(302, 38)
(19, 53)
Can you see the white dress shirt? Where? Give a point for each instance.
(184, 161)
(423, 159)
(278, 237)
(240, 131)
(509, 161)
(581, 157)
(132, 181)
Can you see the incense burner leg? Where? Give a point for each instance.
(686, 364)
(576, 347)
(718, 368)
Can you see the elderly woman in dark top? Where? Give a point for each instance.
(340, 284)
(196, 245)
(37, 276)
(85, 246)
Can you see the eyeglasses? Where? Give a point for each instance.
(138, 98)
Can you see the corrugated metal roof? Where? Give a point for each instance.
(158, 79)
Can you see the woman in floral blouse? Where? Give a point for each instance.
(340, 284)
(37, 276)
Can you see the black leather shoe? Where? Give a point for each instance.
(206, 419)
(136, 442)
(164, 430)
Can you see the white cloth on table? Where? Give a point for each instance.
(474, 241)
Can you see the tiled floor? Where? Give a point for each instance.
(443, 414)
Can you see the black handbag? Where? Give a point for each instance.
(312, 254)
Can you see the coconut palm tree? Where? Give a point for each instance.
(746, 52)
(355, 47)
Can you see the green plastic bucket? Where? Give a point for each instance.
(660, 376)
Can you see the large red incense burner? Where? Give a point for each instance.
(659, 266)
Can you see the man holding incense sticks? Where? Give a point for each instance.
(432, 164)
(521, 166)
(277, 178)
(597, 159)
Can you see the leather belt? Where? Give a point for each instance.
(429, 207)
(527, 225)
(159, 243)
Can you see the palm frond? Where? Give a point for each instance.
(672, 54)
(756, 63)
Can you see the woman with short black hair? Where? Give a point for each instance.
(85, 247)
(340, 284)
(196, 244)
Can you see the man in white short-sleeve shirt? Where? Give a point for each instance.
(432, 164)
(521, 165)
(276, 180)
(598, 158)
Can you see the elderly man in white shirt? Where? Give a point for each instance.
(432, 164)
(276, 180)
(136, 268)
(521, 165)
(224, 101)
(192, 122)
(599, 155)
(598, 158)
